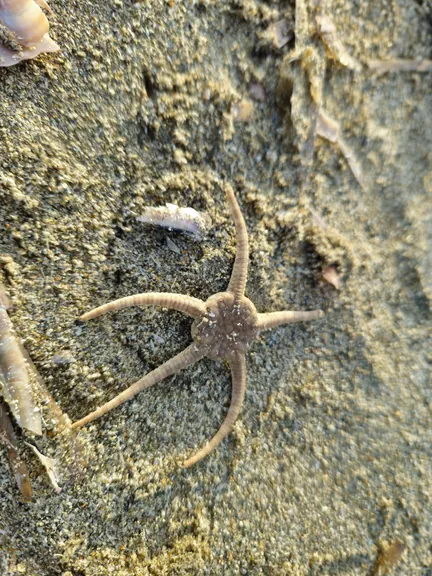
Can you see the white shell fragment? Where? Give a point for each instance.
(10, 57)
(29, 25)
(172, 216)
(14, 377)
(331, 276)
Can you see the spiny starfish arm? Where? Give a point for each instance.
(237, 282)
(186, 304)
(189, 356)
(238, 372)
(273, 319)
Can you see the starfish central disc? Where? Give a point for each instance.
(228, 326)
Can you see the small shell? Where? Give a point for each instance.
(27, 22)
(172, 216)
(331, 276)
(11, 57)
(25, 19)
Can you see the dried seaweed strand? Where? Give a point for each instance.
(17, 464)
(329, 129)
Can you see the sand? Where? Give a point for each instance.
(161, 101)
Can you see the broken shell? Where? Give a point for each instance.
(28, 23)
(331, 276)
(25, 19)
(173, 216)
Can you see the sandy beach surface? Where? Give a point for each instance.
(330, 462)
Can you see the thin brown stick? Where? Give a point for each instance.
(189, 356)
(400, 65)
(186, 304)
(238, 372)
(273, 319)
(238, 279)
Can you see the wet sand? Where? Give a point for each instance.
(331, 457)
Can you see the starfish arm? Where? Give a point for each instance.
(238, 371)
(189, 356)
(273, 319)
(186, 304)
(237, 282)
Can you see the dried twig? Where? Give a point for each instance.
(329, 129)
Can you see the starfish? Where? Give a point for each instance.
(224, 327)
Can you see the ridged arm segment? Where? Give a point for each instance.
(189, 356)
(273, 319)
(191, 306)
(238, 372)
(238, 279)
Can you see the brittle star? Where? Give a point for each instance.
(224, 327)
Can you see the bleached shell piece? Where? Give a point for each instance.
(14, 378)
(45, 5)
(25, 19)
(11, 57)
(172, 216)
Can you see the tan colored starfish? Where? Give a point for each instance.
(223, 329)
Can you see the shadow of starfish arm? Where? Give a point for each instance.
(238, 372)
(189, 356)
(186, 304)
(273, 319)
(237, 282)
